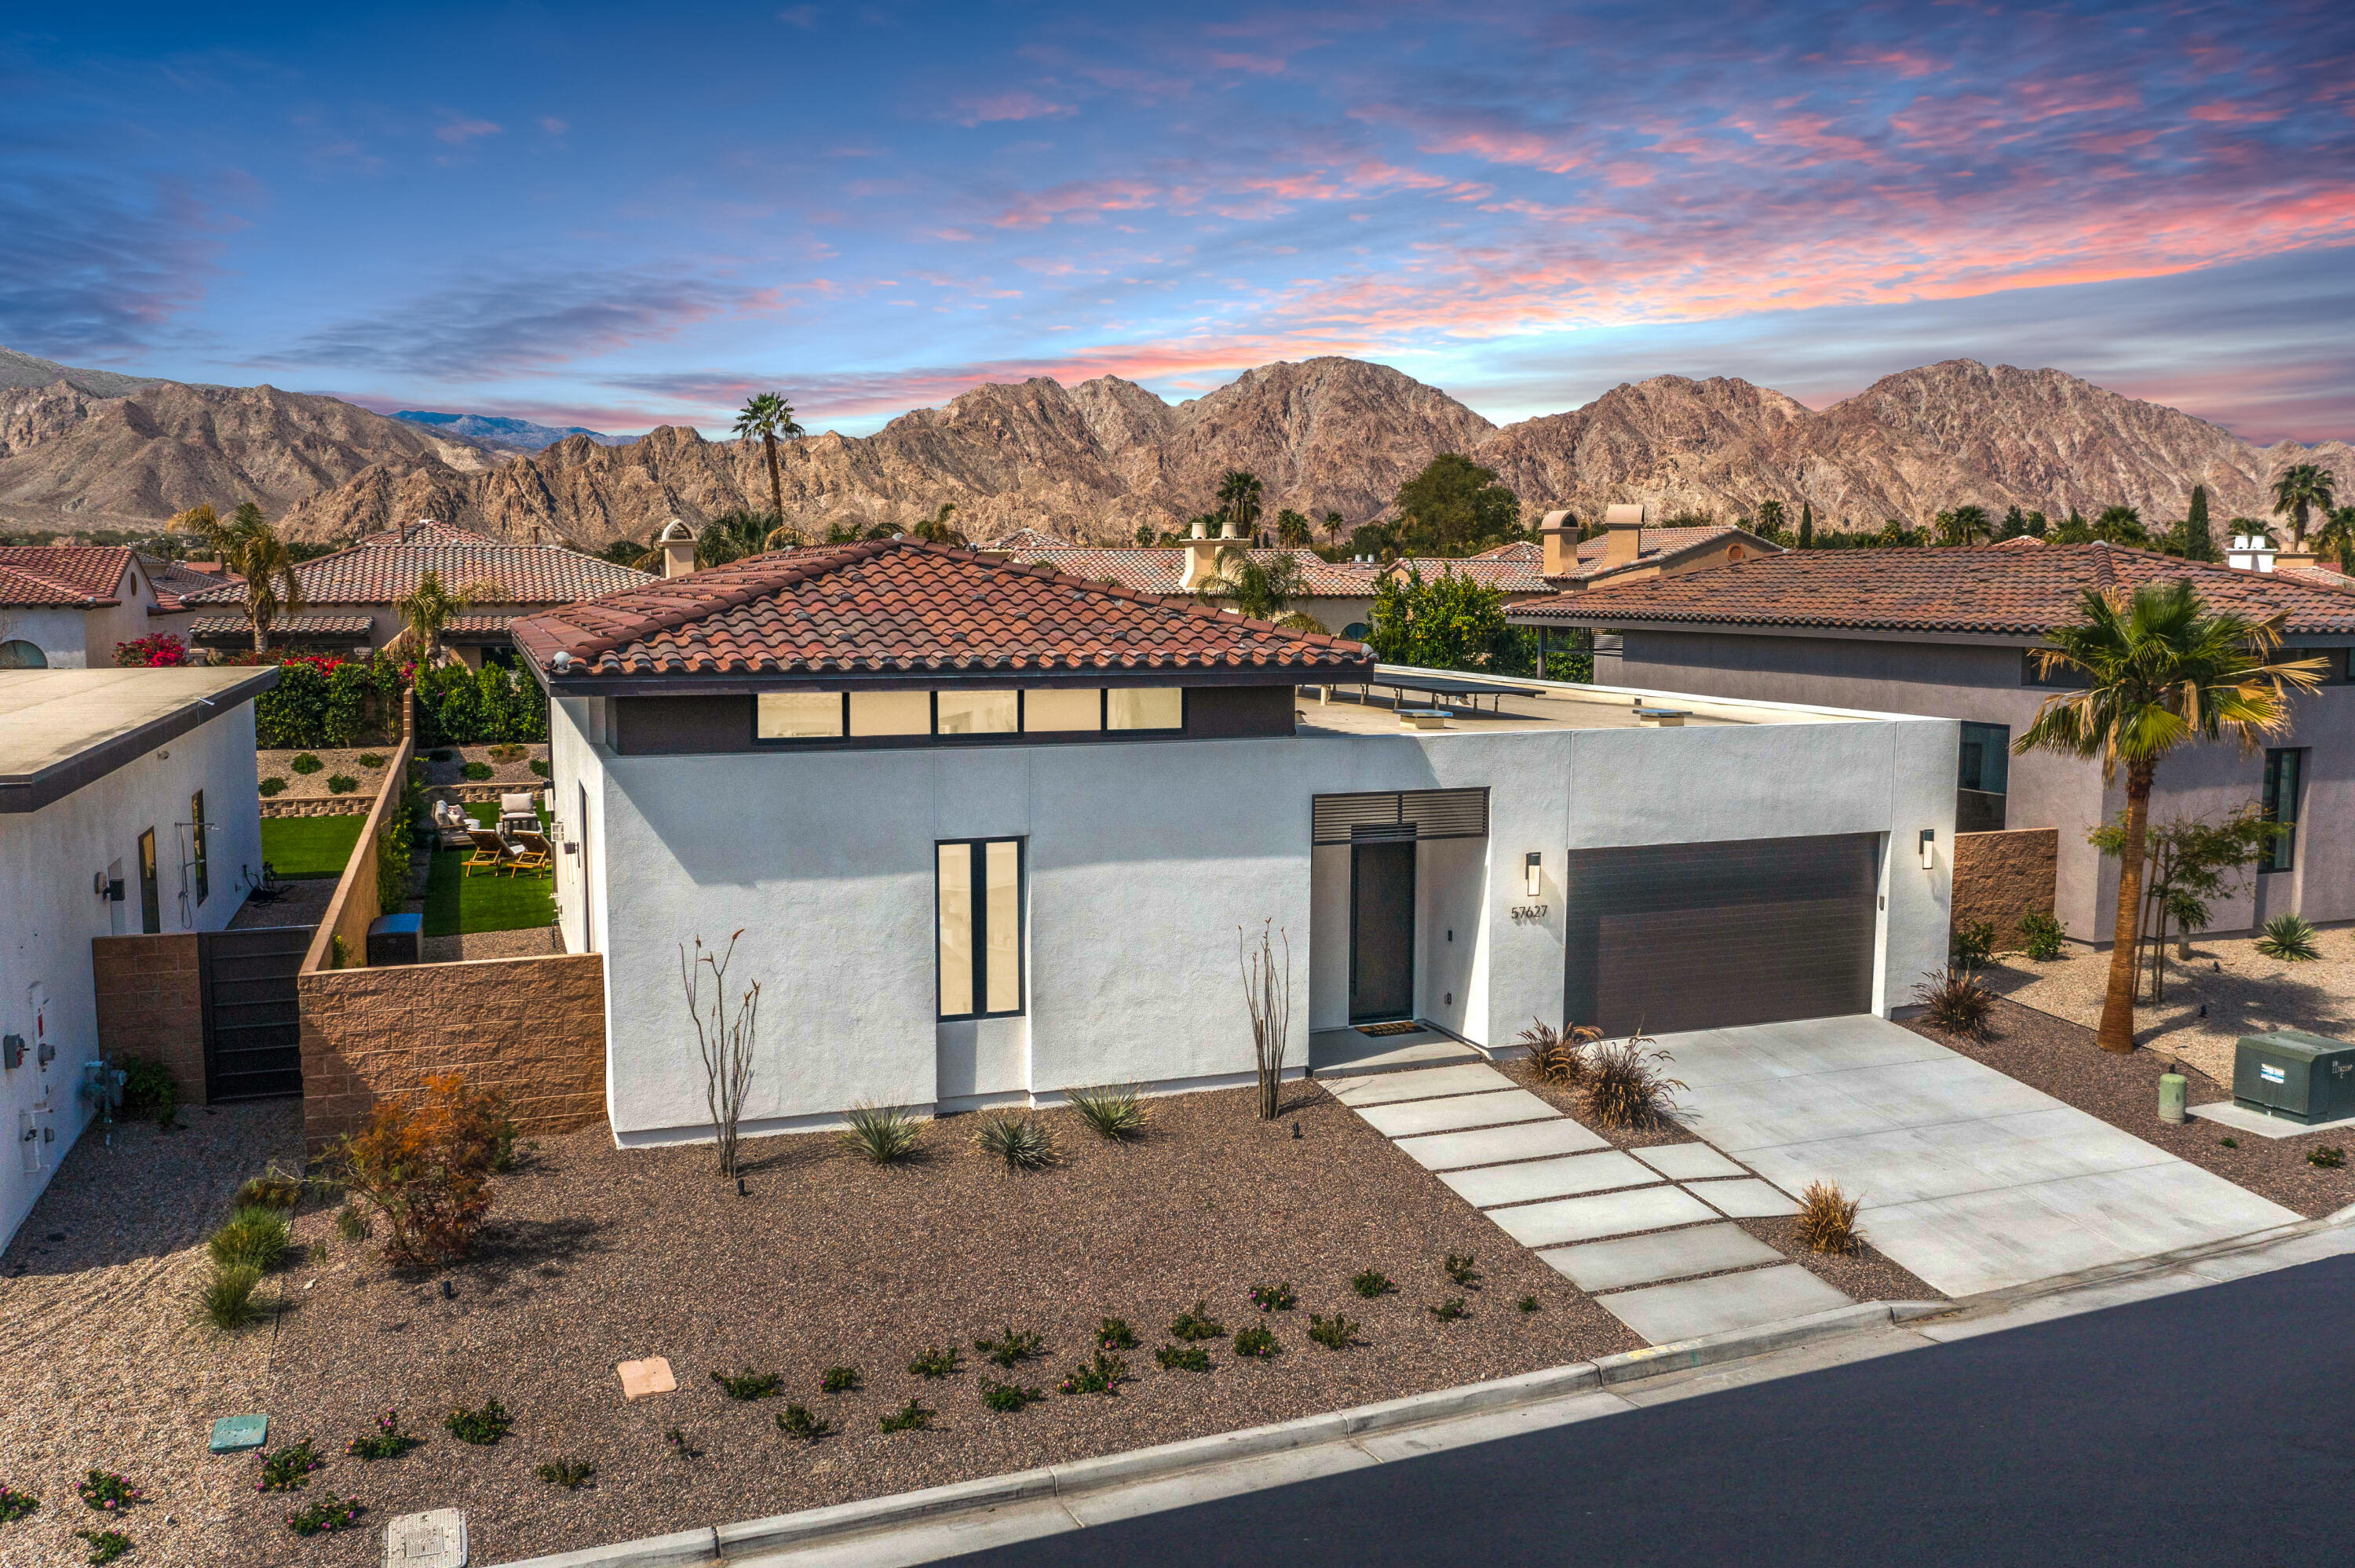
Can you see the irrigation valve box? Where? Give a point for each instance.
(2298, 1077)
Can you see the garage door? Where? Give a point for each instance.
(1677, 936)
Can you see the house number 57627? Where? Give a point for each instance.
(1523, 913)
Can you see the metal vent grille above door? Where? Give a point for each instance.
(1402, 814)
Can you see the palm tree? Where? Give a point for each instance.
(2160, 672)
(732, 536)
(248, 545)
(2300, 487)
(1146, 535)
(1239, 491)
(768, 416)
(1262, 589)
(2120, 525)
(1769, 517)
(1333, 525)
(2336, 536)
(427, 608)
(1964, 526)
(1292, 530)
(935, 529)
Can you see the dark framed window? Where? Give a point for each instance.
(2062, 678)
(151, 888)
(2285, 783)
(1982, 779)
(978, 911)
(2335, 671)
(196, 845)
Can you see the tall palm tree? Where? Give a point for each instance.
(2298, 489)
(1333, 525)
(935, 529)
(1292, 530)
(2336, 536)
(2160, 672)
(1239, 492)
(1769, 517)
(768, 416)
(248, 545)
(1964, 526)
(2120, 525)
(427, 609)
(1262, 589)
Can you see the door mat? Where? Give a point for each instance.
(1403, 1026)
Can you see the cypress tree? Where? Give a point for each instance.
(2199, 544)
(1807, 525)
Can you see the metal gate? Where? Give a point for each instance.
(253, 1036)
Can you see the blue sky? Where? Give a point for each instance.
(620, 218)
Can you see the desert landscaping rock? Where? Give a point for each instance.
(1495, 1145)
(1535, 1178)
(1664, 1313)
(1663, 1255)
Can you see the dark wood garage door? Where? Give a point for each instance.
(1677, 936)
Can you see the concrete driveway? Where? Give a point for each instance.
(1972, 1180)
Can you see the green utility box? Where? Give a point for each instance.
(2298, 1077)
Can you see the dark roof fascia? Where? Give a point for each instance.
(31, 791)
(1826, 633)
(736, 684)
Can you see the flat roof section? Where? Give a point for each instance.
(1353, 709)
(60, 729)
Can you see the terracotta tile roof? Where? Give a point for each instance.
(1658, 546)
(1520, 550)
(1987, 590)
(476, 625)
(379, 569)
(1027, 538)
(1507, 574)
(426, 531)
(79, 576)
(285, 626)
(2318, 575)
(173, 581)
(1160, 568)
(898, 606)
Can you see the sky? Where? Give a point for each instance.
(618, 218)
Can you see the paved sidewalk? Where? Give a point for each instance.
(1633, 1230)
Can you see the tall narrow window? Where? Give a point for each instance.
(196, 845)
(980, 904)
(1981, 784)
(150, 891)
(2284, 774)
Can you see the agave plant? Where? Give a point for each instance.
(1019, 1138)
(885, 1136)
(2289, 937)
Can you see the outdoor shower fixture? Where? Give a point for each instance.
(1929, 849)
(1532, 868)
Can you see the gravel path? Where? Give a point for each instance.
(2244, 992)
(106, 1366)
(532, 942)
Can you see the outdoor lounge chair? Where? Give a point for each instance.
(517, 810)
(492, 852)
(534, 856)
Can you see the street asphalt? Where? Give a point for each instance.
(2214, 1427)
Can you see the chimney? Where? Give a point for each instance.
(1559, 534)
(1624, 538)
(677, 542)
(1202, 561)
(2251, 552)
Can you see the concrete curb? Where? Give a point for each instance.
(752, 1537)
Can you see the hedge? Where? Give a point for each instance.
(327, 702)
(460, 706)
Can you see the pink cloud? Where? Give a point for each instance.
(2236, 114)
(1004, 106)
(458, 129)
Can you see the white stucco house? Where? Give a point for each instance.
(991, 833)
(66, 607)
(126, 805)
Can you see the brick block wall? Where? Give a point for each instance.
(532, 1028)
(151, 1003)
(2001, 876)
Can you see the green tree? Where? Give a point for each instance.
(427, 608)
(2186, 864)
(1964, 526)
(937, 530)
(1261, 588)
(1239, 492)
(1770, 518)
(1333, 525)
(2301, 489)
(732, 536)
(1293, 530)
(2121, 526)
(2160, 672)
(1146, 535)
(2037, 524)
(768, 416)
(2335, 537)
(1450, 622)
(1455, 507)
(2073, 530)
(1807, 525)
(248, 545)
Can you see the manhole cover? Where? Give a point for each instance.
(435, 1538)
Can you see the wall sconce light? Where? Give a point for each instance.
(1929, 849)
(1534, 876)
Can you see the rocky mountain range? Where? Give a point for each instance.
(1096, 459)
(504, 435)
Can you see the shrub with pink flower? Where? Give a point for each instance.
(109, 1491)
(156, 650)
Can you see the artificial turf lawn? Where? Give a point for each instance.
(299, 847)
(458, 905)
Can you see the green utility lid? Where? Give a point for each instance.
(236, 1434)
(2294, 1043)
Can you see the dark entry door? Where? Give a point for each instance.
(1673, 937)
(1381, 932)
(151, 892)
(253, 1036)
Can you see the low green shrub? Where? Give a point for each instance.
(341, 784)
(797, 1422)
(272, 1191)
(2289, 938)
(569, 1474)
(1114, 1334)
(1459, 1267)
(105, 1546)
(1102, 1374)
(1116, 1115)
(507, 751)
(1007, 1397)
(749, 1384)
(1019, 1138)
(1011, 1345)
(15, 1505)
(1450, 1310)
(481, 1427)
(287, 1467)
(1971, 944)
(387, 1442)
(2328, 1156)
(227, 1302)
(306, 764)
(1527, 1303)
(1183, 1358)
(255, 1236)
(839, 1380)
(2228, 1142)
(148, 1088)
(1954, 1004)
(1371, 1283)
(934, 1361)
(272, 785)
(1255, 1341)
(327, 1515)
(1275, 1297)
(108, 1492)
(1338, 1333)
(1197, 1324)
(2041, 936)
(912, 1416)
(884, 1136)
(538, 766)
(373, 759)
(475, 772)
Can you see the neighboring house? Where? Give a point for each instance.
(349, 596)
(65, 607)
(1627, 551)
(126, 805)
(991, 833)
(1949, 632)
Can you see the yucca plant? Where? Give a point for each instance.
(1019, 1138)
(1116, 1115)
(884, 1136)
(1559, 1055)
(253, 1234)
(1625, 1086)
(2289, 937)
(1956, 1005)
(1827, 1221)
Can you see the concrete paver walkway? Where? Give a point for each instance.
(1971, 1179)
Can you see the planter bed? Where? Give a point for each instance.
(2061, 1058)
(505, 776)
(599, 1255)
(311, 787)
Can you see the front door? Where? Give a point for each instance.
(151, 892)
(1381, 931)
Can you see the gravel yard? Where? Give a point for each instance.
(2244, 991)
(447, 764)
(2061, 1058)
(333, 763)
